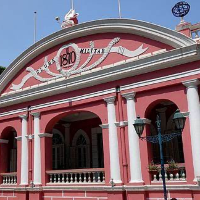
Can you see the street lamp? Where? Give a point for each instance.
(179, 120)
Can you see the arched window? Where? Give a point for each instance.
(13, 153)
(81, 146)
(58, 150)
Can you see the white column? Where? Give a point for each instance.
(194, 118)
(24, 151)
(37, 150)
(113, 141)
(134, 149)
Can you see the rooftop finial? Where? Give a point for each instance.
(180, 10)
(70, 17)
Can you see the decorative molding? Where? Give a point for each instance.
(29, 137)
(12, 112)
(110, 100)
(53, 103)
(144, 29)
(161, 79)
(191, 83)
(129, 96)
(41, 135)
(23, 116)
(104, 126)
(36, 114)
(75, 68)
(153, 63)
(73, 99)
(2, 141)
(19, 138)
(186, 114)
(121, 124)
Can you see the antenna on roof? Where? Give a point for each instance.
(119, 7)
(35, 26)
(72, 4)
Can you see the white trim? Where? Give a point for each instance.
(109, 91)
(12, 112)
(19, 138)
(30, 137)
(140, 28)
(72, 99)
(121, 124)
(104, 126)
(41, 135)
(156, 62)
(161, 79)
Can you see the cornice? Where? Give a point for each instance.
(153, 63)
(110, 100)
(23, 116)
(129, 96)
(36, 114)
(191, 83)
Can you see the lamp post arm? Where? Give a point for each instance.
(158, 122)
(164, 138)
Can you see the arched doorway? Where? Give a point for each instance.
(77, 142)
(77, 150)
(8, 156)
(173, 149)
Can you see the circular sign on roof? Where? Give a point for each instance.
(181, 9)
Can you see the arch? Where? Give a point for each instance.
(145, 29)
(8, 146)
(78, 134)
(154, 103)
(56, 131)
(58, 116)
(172, 149)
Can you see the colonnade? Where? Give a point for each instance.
(133, 140)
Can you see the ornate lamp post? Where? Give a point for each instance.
(179, 120)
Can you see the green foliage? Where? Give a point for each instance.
(2, 69)
(172, 165)
(152, 166)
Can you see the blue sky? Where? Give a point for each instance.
(17, 18)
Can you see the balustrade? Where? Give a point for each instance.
(78, 176)
(9, 178)
(170, 176)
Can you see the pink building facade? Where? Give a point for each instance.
(68, 104)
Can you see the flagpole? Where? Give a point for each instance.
(72, 4)
(35, 26)
(119, 6)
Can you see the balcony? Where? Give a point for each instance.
(9, 178)
(77, 176)
(170, 177)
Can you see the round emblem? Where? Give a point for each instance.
(67, 59)
(181, 9)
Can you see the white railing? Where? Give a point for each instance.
(77, 176)
(169, 176)
(9, 178)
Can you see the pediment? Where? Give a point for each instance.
(86, 48)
